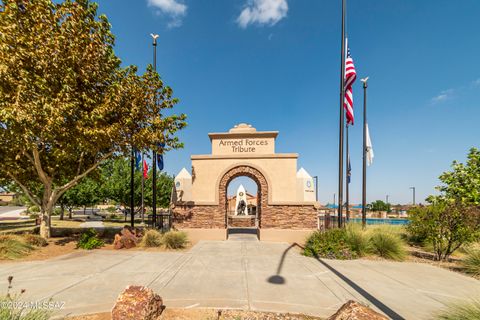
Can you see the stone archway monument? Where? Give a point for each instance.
(286, 208)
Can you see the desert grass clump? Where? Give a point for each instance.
(471, 263)
(358, 240)
(387, 245)
(13, 247)
(151, 238)
(175, 239)
(331, 244)
(465, 311)
(35, 240)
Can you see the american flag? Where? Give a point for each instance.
(350, 76)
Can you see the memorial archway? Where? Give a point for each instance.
(262, 195)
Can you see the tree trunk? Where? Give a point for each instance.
(62, 211)
(84, 210)
(45, 223)
(70, 213)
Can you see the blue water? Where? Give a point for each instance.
(381, 221)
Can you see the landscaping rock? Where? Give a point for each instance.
(126, 239)
(139, 303)
(352, 310)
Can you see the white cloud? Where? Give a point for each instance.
(173, 8)
(443, 96)
(476, 83)
(263, 12)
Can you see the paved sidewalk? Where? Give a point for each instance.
(240, 274)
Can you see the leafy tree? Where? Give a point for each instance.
(447, 226)
(116, 184)
(462, 184)
(379, 205)
(66, 104)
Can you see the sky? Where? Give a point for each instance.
(275, 64)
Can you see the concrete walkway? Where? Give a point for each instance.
(240, 274)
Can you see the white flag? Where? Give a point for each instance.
(369, 148)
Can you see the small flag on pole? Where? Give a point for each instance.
(350, 77)
(160, 156)
(138, 159)
(369, 148)
(145, 169)
(349, 170)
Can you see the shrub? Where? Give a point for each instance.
(151, 238)
(89, 240)
(35, 240)
(330, 244)
(175, 239)
(387, 245)
(358, 240)
(12, 247)
(447, 226)
(471, 263)
(465, 311)
(33, 209)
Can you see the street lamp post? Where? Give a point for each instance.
(316, 187)
(154, 152)
(413, 189)
(386, 198)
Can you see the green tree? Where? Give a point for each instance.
(462, 183)
(116, 184)
(447, 226)
(66, 104)
(379, 205)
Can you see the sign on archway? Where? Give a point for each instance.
(286, 203)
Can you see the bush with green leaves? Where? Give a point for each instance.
(151, 238)
(13, 247)
(471, 262)
(461, 311)
(89, 240)
(35, 240)
(34, 209)
(331, 244)
(387, 245)
(446, 226)
(175, 239)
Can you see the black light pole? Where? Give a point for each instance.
(316, 187)
(132, 172)
(341, 120)
(334, 200)
(413, 188)
(347, 182)
(154, 152)
(364, 158)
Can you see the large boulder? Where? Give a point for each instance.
(139, 303)
(352, 310)
(127, 238)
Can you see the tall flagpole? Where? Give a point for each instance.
(347, 182)
(132, 172)
(143, 187)
(364, 159)
(341, 122)
(154, 153)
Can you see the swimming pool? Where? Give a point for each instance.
(381, 221)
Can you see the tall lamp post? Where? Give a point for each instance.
(154, 152)
(413, 193)
(316, 187)
(386, 198)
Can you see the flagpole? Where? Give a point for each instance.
(143, 187)
(154, 164)
(347, 182)
(364, 160)
(132, 172)
(341, 122)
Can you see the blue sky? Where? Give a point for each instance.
(275, 64)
